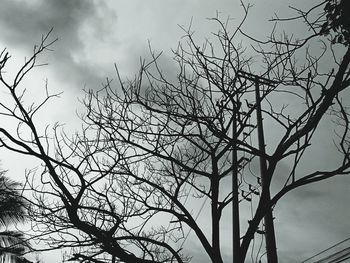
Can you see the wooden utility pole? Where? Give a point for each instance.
(236, 246)
(270, 238)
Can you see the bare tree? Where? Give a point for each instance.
(151, 149)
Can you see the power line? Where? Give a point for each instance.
(199, 212)
(327, 249)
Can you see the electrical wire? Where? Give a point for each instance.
(199, 212)
(325, 250)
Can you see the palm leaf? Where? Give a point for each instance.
(12, 211)
(12, 204)
(12, 246)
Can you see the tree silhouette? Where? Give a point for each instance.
(337, 21)
(151, 149)
(12, 211)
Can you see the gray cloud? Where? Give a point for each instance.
(311, 218)
(307, 220)
(77, 24)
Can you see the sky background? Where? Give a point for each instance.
(93, 35)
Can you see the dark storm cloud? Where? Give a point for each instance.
(22, 23)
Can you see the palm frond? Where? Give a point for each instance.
(12, 211)
(10, 258)
(12, 204)
(12, 239)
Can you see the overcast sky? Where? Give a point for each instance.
(93, 35)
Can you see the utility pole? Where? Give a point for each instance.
(236, 245)
(270, 238)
